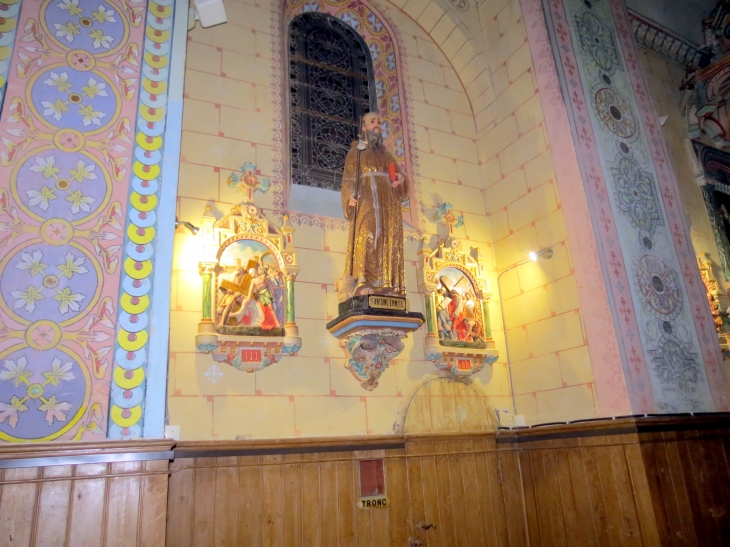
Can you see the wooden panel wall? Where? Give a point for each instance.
(608, 483)
(618, 490)
(91, 505)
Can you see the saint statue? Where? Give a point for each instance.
(373, 207)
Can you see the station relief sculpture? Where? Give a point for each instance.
(248, 278)
(459, 337)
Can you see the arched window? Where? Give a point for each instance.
(330, 86)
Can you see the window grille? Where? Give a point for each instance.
(330, 87)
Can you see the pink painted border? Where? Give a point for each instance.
(603, 346)
(669, 188)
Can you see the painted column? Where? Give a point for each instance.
(430, 307)
(206, 272)
(290, 298)
(83, 137)
(134, 344)
(669, 353)
(485, 316)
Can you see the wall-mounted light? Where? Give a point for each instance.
(194, 229)
(546, 253)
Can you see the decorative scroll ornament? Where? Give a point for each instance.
(371, 353)
(459, 338)
(248, 274)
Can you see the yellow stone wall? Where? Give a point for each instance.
(481, 146)
(551, 367)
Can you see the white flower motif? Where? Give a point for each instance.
(55, 108)
(83, 171)
(59, 372)
(54, 409)
(68, 31)
(73, 265)
(59, 81)
(104, 15)
(213, 374)
(41, 198)
(27, 298)
(94, 88)
(32, 263)
(47, 166)
(67, 300)
(461, 413)
(16, 371)
(11, 411)
(72, 6)
(90, 115)
(100, 39)
(79, 202)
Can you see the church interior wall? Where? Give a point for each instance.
(663, 79)
(480, 145)
(276, 457)
(551, 367)
(79, 233)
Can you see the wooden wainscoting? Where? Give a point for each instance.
(310, 499)
(83, 505)
(631, 482)
(660, 481)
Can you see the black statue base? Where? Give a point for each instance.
(372, 302)
(374, 311)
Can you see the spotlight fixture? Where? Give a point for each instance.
(188, 225)
(546, 253)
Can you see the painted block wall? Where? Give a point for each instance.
(460, 122)
(551, 366)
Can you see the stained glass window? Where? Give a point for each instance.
(330, 87)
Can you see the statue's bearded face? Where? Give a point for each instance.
(373, 133)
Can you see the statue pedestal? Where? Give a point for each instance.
(371, 328)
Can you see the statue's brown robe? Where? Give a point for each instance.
(378, 234)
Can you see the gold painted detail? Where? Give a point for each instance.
(387, 303)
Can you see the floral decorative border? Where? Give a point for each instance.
(133, 330)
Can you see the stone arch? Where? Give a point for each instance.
(451, 35)
(439, 403)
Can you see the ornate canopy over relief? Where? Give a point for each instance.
(459, 336)
(248, 288)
